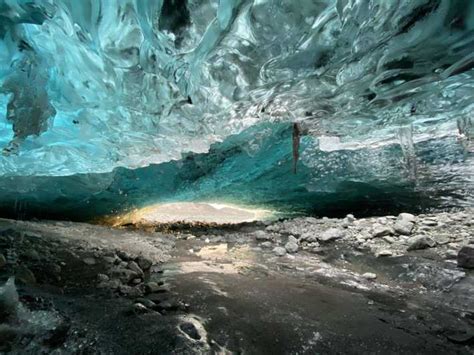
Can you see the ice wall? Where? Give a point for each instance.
(94, 85)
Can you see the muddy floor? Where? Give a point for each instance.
(300, 286)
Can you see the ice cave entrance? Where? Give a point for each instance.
(193, 212)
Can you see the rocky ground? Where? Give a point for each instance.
(374, 285)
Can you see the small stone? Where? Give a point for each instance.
(331, 234)
(207, 241)
(144, 263)
(384, 252)
(420, 242)
(369, 276)
(102, 277)
(279, 251)
(3, 261)
(109, 259)
(31, 254)
(291, 247)
(466, 257)
(266, 244)
(132, 265)
(89, 261)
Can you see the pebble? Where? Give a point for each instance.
(266, 244)
(152, 287)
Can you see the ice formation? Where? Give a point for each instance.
(182, 99)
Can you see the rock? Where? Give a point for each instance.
(125, 275)
(291, 247)
(407, 217)
(350, 218)
(152, 287)
(389, 240)
(3, 261)
(189, 329)
(266, 244)
(31, 255)
(262, 236)
(124, 255)
(24, 275)
(403, 227)
(112, 284)
(466, 257)
(442, 239)
(279, 251)
(138, 308)
(420, 242)
(380, 230)
(404, 224)
(429, 222)
(331, 234)
(102, 277)
(89, 261)
(369, 276)
(132, 292)
(144, 263)
(109, 259)
(146, 302)
(451, 254)
(132, 265)
(384, 252)
(292, 239)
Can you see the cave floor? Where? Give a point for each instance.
(93, 289)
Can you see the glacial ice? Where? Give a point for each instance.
(109, 103)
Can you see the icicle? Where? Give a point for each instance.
(405, 134)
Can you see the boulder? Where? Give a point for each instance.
(466, 257)
(380, 230)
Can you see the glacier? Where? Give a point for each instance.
(108, 105)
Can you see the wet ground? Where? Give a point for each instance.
(226, 291)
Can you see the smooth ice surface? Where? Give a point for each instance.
(146, 101)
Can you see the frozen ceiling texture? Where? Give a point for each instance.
(106, 105)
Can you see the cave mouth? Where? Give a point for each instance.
(203, 213)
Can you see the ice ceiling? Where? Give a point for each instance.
(110, 104)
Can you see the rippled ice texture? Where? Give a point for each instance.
(91, 85)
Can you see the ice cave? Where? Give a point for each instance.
(236, 176)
